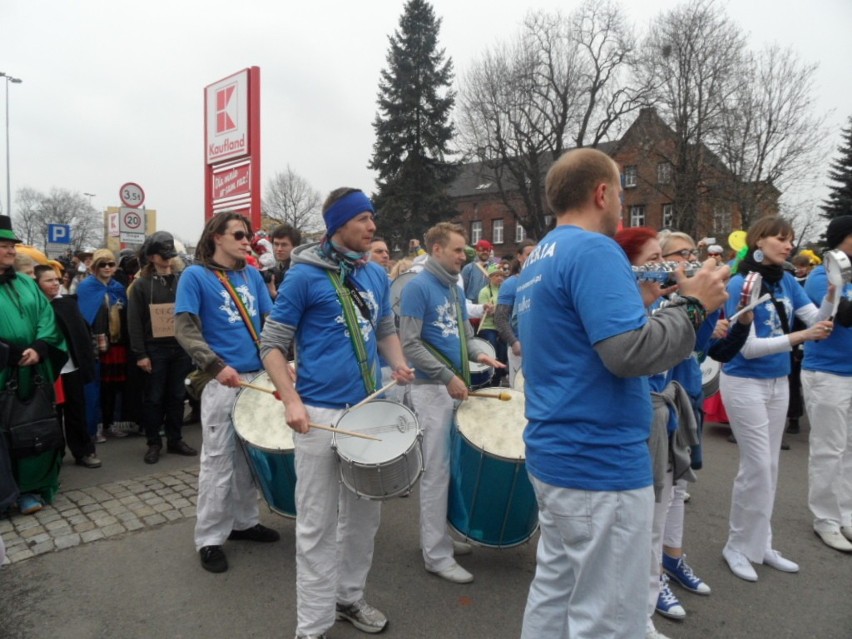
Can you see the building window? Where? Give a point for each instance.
(668, 216)
(497, 231)
(475, 232)
(520, 233)
(629, 176)
(721, 222)
(664, 173)
(637, 215)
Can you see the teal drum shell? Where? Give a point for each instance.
(491, 500)
(267, 442)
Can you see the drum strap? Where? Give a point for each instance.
(355, 335)
(464, 373)
(241, 307)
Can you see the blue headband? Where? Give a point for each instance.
(345, 209)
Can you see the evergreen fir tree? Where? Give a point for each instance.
(839, 200)
(413, 130)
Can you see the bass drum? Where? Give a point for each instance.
(491, 501)
(261, 426)
(710, 373)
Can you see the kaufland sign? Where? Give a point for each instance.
(227, 105)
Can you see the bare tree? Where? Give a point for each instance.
(692, 57)
(290, 198)
(561, 82)
(770, 134)
(36, 211)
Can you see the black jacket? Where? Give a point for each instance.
(77, 334)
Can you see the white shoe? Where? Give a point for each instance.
(835, 540)
(774, 559)
(846, 531)
(454, 573)
(739, 564)
(461, 548)
(652, 633)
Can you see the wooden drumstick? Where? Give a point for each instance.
(351, 433)
(503, 397)
(374, 395)
(272, 391)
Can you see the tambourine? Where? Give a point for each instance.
(663, 272)
(750, 296)
(838, 269)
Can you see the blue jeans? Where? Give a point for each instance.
(165, 392)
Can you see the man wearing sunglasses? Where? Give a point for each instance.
(221, 303)
(333, 303)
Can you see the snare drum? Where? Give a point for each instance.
(385, 469)
(710, 372)
(267, 441)
(491, 500)
(481, 374)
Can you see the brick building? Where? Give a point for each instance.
(644, 154)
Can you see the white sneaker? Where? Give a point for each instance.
(454, 573)
(834, 539)
(461, 548)
(739, 564)
(652, 633)
(846, 531)
(774, 559)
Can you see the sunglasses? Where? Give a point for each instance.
(239, 236)
(684, 253)
(106, 265)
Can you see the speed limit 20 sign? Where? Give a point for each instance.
(132, 195)
(131, 225)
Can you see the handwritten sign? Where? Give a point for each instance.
(162, 319)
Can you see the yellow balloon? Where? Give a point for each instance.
(737, 240)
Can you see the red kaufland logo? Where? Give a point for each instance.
(226, 109)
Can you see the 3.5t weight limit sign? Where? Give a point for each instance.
(131, 225)
(132, 195)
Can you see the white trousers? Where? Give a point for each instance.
(661, 515)
(335, 531)
(590, 579)
(514, 362)
(434, 408)
(757, 409)
(227, 497)
(828, 400)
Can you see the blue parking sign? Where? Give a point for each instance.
(59, 233)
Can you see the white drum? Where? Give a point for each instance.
(396, 289)
(710, 372)
(481, 374)
(379, 469)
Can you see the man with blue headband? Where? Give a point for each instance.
(334, 304)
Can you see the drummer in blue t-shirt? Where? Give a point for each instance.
(587, 345)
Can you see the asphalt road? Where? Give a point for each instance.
(149, 584)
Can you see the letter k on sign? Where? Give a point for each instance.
(226, 116)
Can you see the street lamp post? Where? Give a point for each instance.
(8, 79)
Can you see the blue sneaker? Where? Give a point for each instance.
(679, 570)
(667, 604)
(29, 504)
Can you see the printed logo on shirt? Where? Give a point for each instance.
(773, 320)
(364, 324)
(230, 308)
(540, 252)
(446, 320)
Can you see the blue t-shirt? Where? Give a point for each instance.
(328, 372)
(507, 295)
(426, 298)
(767, 323)
(201, 293)
(832, 355)
(688, 372)
(588, 429)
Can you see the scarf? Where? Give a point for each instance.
(444, 276)
(345, 259)
(772, 273)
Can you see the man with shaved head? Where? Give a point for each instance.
(588, 406)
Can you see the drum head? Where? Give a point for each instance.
(393, 423)
(837, 268)
(494, 426)
(710, 372)
(484, 344)
(260, 419)
(396, 289)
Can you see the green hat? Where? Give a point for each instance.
(469, 252)
(6, 232)
(495, 269)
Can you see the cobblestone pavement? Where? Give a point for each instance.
(86, 515)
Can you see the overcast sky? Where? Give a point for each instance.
(113, 90)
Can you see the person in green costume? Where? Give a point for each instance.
(33, 346)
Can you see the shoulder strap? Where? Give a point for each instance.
(241, 307)
(465, 362)
(355, 336)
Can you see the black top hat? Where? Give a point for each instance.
(6, 232)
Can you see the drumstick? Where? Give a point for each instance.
(750, 307)
(272, 391)
(351, 433)
(503, 397)
(374, 395)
